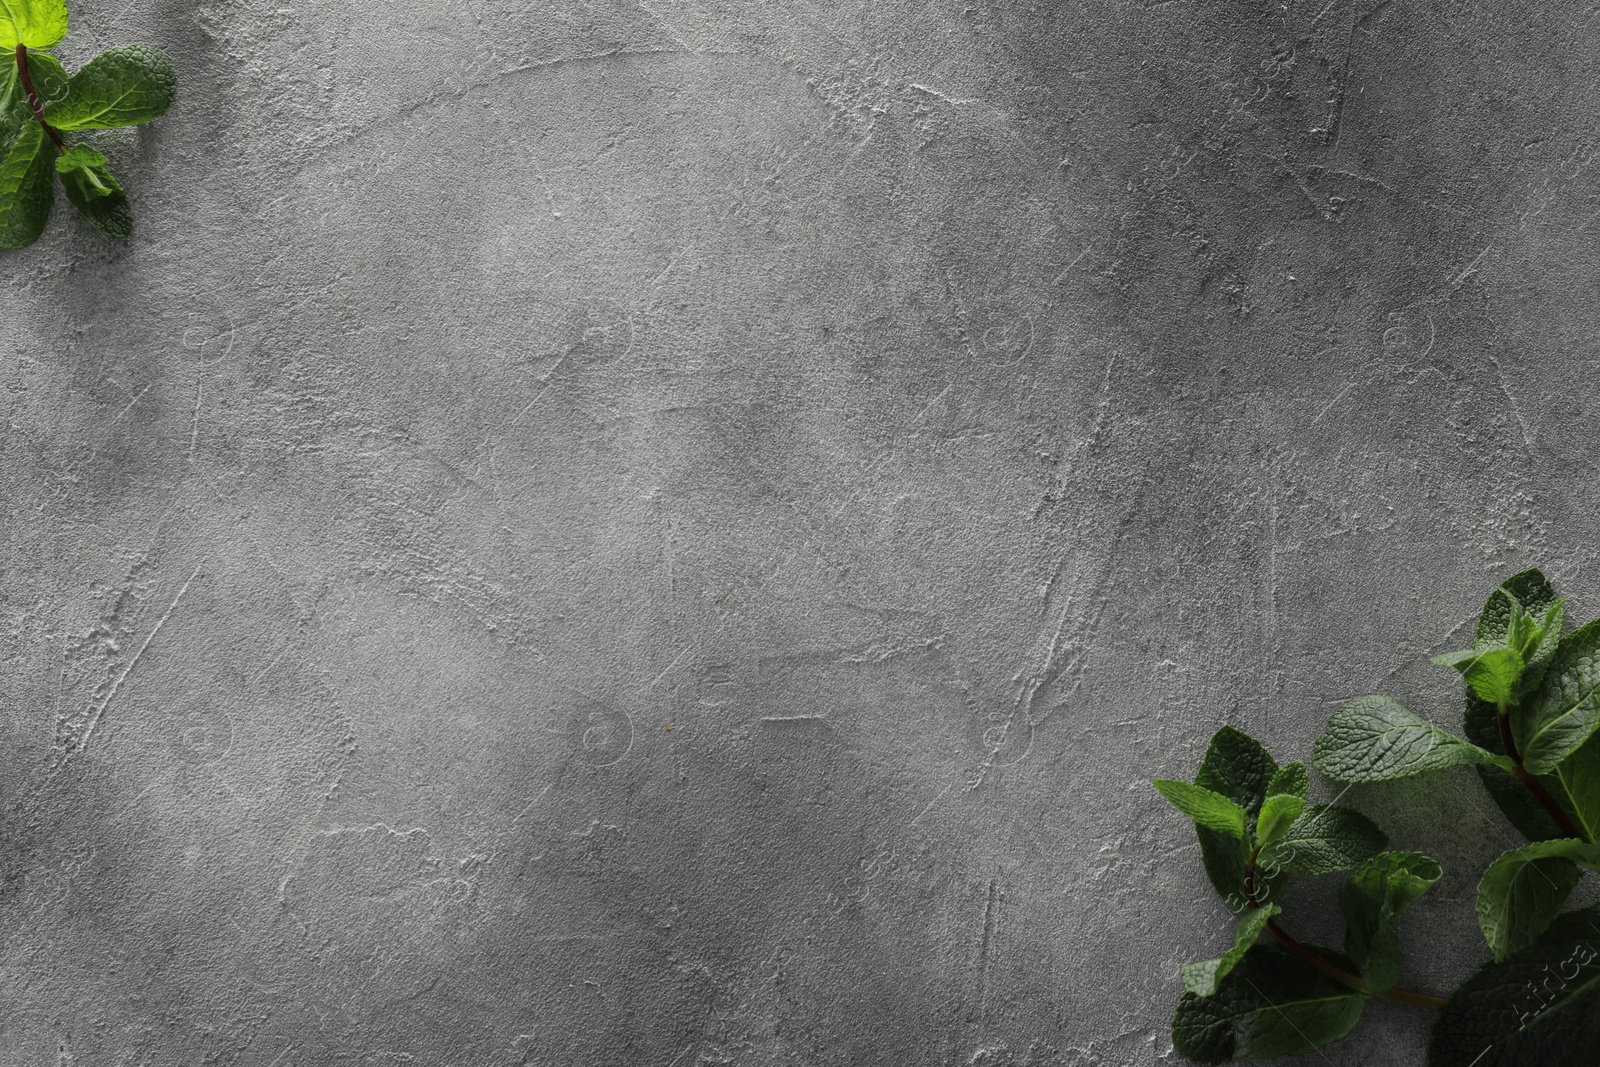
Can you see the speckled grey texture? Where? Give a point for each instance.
(675, 532)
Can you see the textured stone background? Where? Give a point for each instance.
(675, 532)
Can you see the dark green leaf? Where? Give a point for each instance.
(1524, 889)
(1374, 739)
(1528, 590)
(1202, 978)
(1270, 1004)
(94, 192)
(1544, 648)
(1379, 891)
(1519, 805)
(1323, 840)
(1565, 712)
(1540, 1008)
(119, 87)
(1579, 776)
(1224, 857)
(1237, 767)
(1291, 779)
(26, 192)
(1210, 810)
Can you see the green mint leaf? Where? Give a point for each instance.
(119, 87)
(1379, 891)
(1532, 590)
(1202, 978)
(1374, 739)
(1524, 811)
(26, 192)
(49, 81)
(1492, 674)
(1565, 711)
(1291, 779)
(35, 23)
(1237, 767)
(1270, 1004)
(94, 192)
(1326, 838)
(1277, 814)
(1540, 1007)
(1526, 593)
(1210, 810)
(14, 107)
(1524, 889)
(1579, 775)
(1543, 648)
(1225, 857)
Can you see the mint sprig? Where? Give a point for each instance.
(40, 103)
(1532, 734)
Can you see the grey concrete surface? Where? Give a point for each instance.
(675, 532)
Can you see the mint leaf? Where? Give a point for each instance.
(49, 81)
(1523, 889)
(1492, 674)
(1374, 739)
(1542, 649)
(26, 194)
(1325, 839)
(14, 108)
(1238, 767)
(1291, 779)
(1515, 800)
(119, 87)
(94, 192)
(1277, 814)
(1566, 710)
(1210, 810)
(1579, 775)
(1525, 593)
(35, 23)
(1540, 1007)
(1269, 1004)
(1202, 978)
(1379, 891)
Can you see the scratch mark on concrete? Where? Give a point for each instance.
(1342, 394)
(991, 929)
(533, 803)
(194, 421)
(1472, 268)
(930, 805)
(98, 710)
(1068, 268)
(676, 660)
(275, 661)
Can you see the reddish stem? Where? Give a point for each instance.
(1551, 806)
(33, 96)
(1338, 974)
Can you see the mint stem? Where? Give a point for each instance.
(33, 97)
(1552, 808)
(1338, 974)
